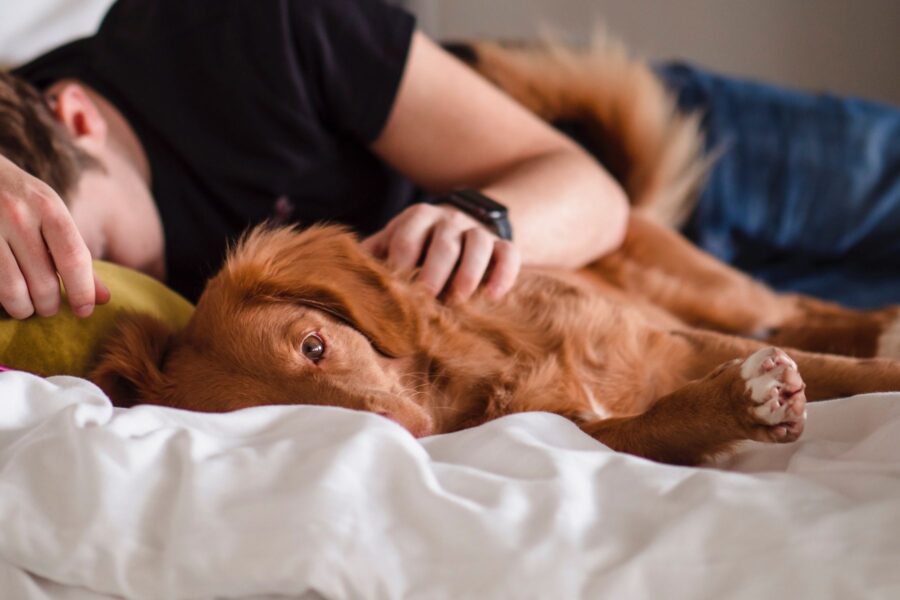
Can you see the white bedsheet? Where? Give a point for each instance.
(302, 501)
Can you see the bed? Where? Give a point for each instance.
(310, 502)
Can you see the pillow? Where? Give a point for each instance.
(68, 345)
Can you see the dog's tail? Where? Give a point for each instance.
(615, 106)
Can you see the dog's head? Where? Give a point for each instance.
(294, 317)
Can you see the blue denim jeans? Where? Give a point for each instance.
(806, 193)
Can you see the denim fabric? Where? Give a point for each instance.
(806, 193)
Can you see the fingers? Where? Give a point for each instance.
(440, 259)
(402, 241)
(101, 292)
(37, 268)
(506, 267)
(14, 295)
(478, 247)
(376, 244)
(25, 246)
(457, 254)
(481, 258)
(38, 238)
(72, 260)
(409, 237)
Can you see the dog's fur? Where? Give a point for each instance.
(639, 349)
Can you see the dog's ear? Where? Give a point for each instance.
(325, 268)
(129, 369)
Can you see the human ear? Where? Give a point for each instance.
(74, 108)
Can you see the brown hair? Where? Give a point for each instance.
(32, 139)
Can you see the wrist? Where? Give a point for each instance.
(480, 207)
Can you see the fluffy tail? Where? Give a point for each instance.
(632, 122)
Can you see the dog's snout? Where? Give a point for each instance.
(411, 417)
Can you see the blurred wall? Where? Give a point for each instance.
(842, 46)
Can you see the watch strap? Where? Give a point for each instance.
(482, 208)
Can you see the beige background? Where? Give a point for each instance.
(835, 45)
(843, 46)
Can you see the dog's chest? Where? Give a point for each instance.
(588, 350)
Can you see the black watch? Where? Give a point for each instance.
(481, 208)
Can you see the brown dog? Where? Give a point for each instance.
(309, 318)
(643, 349)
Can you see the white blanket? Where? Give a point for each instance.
(302, 501)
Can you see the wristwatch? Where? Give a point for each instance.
(481, 208)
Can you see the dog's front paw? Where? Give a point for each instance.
(775, 390)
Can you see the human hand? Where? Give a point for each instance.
(38, 238)
(457, 253)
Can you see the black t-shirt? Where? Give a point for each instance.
(249, 110)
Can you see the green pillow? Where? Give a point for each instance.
(68, 345)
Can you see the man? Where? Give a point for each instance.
(186, 122)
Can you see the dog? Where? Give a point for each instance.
(657, 349)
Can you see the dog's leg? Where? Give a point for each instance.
(660, 265)
(663, 267)
(828, 376)
(760, 398)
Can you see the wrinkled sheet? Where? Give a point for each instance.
(309, 502)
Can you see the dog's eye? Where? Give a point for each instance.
(313, 347)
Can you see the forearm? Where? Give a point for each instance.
(565, 209)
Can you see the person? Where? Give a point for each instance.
(208, 117)
(183, 123)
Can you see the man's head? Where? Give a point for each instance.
(78, 143)
(32, 137)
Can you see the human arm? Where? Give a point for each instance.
(449, 128)
(38, 239)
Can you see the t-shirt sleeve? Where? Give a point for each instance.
(351, 54)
